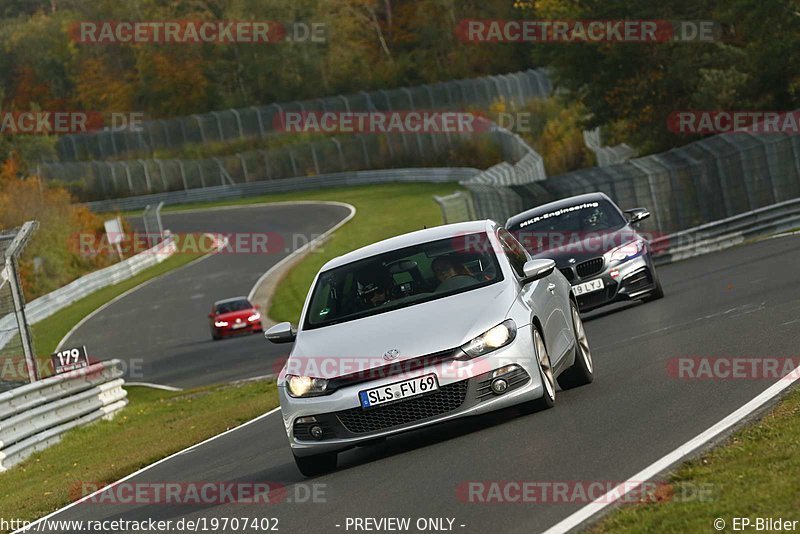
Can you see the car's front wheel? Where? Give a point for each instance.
(658, 291)
(316, 465)
(548, 398)
(582, 371)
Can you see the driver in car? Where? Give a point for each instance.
(374, 292)
(450, 273)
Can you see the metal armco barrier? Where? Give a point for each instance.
(227, 192)
(48, 304)
(34, 416)
(728, 232)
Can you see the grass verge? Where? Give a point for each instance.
(154, 425)
(755, 473)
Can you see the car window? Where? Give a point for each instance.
(513, 250)
(401, 278)
(233, 306)
(546, 229)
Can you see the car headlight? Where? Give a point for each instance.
(494, 338)
(255, 317)
(306, 386)
(626, 251)
(220, 324)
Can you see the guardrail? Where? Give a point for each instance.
(303, 183)
(34, 416)
(46, 305)
(727, 233)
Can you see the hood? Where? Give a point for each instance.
(232, 316)
(585, 247)
(413, 331)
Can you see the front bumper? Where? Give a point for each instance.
(632, 279)
(463, 391)
(227, 331)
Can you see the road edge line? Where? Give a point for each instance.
(297, 255)
(142, 470)
(587, 512)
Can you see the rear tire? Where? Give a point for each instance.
(581, 372)
(548, 398)
(316, 465)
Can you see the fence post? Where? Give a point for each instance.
(11, 254)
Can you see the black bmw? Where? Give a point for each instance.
(595, 245)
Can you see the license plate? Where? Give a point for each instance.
(588, 287)
(238, 325)
(398, 391)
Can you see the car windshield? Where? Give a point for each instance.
(233, 306)
(401, 278)
(548, 229)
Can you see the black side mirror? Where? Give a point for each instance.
(636, 214)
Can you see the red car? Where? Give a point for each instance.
(234, 316)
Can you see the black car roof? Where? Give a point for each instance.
(555, 205)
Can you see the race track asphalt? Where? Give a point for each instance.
(742, 302)
(161, 331)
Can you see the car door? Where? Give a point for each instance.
(547, 297)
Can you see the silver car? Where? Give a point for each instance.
(426, 327)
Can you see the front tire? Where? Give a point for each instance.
(316, 465)
(658, 292)
(548, 398)
(581, 372)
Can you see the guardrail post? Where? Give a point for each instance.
(260, 121)
(238, 122)
(146, 176)
(183, 175)
(341, 155)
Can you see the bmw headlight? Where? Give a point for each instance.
(626, 251)
(306, 386)
(220, 324)
(255, 317)
(494, 338)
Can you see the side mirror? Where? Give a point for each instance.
(538, 269)
(211, 315)
(281, 333)
(637, 214)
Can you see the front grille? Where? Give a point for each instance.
(589, 267)
(568, 273)
(446, 399)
